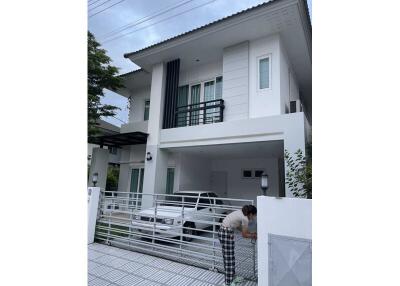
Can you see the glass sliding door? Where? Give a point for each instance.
(170, 181)
(182, 100)
(136, 188)
(195, 98)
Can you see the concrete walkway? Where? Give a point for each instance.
(114, 266)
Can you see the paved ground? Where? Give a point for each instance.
(114, 266)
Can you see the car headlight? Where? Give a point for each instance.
(137, 217)
(168, 221)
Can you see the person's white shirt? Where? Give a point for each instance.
(236, 219)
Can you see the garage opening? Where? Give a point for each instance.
(231, 170)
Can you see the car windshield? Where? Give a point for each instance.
(190, 200)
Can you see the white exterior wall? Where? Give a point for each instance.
(265, 102)
(235, 86)
(248, 188)
(192, 173)
(200, 73)
(138, 98)
(131, 157)
(284, 216)
(112, 158)
(293, 88)
(284, 80)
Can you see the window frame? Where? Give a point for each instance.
(202, 83)
(259, 59)
(251, 173)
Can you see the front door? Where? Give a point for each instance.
(136, 188)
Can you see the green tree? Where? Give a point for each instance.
(299, 173)
(112, 179)
(101, 75)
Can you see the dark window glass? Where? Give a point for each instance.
(258, 173)
(246, 173)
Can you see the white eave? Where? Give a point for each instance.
(134, 80)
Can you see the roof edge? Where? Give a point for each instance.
(251, 9)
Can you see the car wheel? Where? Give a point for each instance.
(188, 231)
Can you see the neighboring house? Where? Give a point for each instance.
(214, 108)
(105, 128)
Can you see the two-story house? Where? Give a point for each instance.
(215, 107)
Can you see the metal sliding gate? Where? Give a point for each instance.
(183, 228)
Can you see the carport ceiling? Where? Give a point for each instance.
(235, 151)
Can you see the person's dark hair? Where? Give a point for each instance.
(249, 209)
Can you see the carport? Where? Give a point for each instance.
(231, 170)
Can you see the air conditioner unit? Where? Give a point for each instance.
(295, 106)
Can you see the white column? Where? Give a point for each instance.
(99, 165)
(93, 205)
(294, 139)
(156, 169)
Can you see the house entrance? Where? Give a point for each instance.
(137, 176)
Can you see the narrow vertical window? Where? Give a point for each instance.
(264, 73)
(146, 109)
(218, 87)
(209, 91)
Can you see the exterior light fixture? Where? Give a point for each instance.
(95, 178)
(264, 183)
(148, 156)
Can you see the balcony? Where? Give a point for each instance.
(201, 113)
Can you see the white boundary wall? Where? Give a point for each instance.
(93, 206)
(280, 216)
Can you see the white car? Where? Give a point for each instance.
(199, 212)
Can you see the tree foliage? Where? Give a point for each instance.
(101, 75)
(299, 174)
(112, 179)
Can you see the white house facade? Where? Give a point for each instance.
(214, 108)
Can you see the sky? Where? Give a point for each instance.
(144, 30)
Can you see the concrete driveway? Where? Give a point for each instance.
(114, 266)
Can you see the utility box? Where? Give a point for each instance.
(289, 261)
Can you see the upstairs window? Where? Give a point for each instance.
(218, 87)
(146, 109)
(264, 72)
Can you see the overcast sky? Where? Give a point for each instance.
(124, 12)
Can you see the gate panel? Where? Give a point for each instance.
(177, 227)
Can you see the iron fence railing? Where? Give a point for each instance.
(177, 227)
(200, 113)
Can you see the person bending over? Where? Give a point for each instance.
(236, 220)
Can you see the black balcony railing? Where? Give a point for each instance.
(200, 113)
